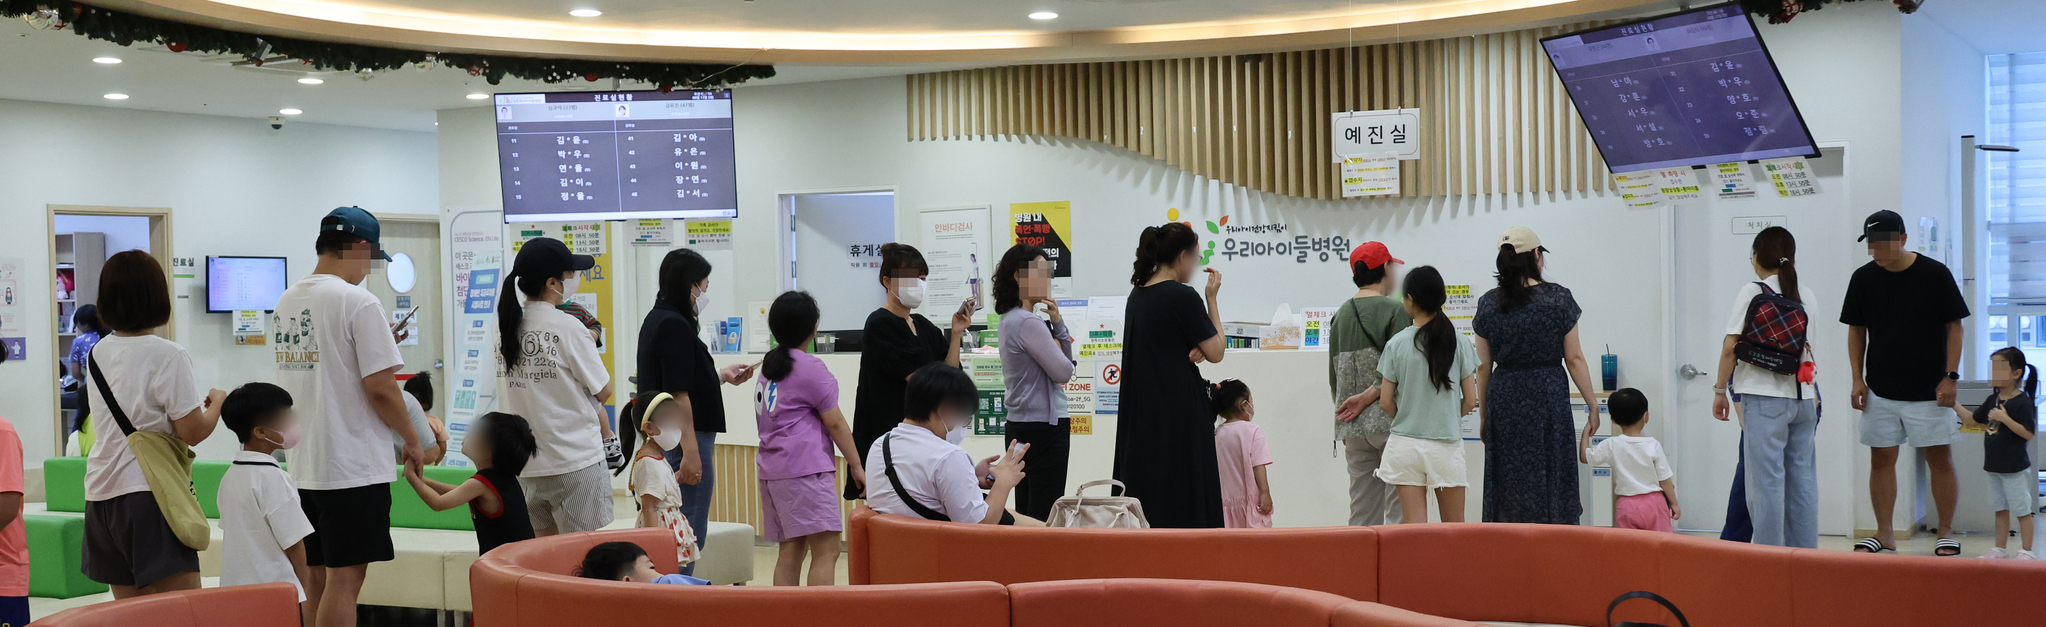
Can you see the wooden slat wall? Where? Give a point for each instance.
(1494, 118)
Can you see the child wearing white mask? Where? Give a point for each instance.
(653, 485)
(262, 523)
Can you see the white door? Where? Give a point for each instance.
(838, 238)
(412, 279)
(1712, 243)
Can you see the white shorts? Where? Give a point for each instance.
(572, 502)
(1887, 423)
(1428, 463)
(2014, 492)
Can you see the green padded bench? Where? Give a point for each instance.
(54, 560)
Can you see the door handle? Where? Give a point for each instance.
(1691, 372)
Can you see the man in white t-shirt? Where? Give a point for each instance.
(337, 357)
(558, 383)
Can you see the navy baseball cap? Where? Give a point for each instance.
(548, 257)
(355, 221)
(1883, 223)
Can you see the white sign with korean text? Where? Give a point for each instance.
(1367, 133)
(1640, 190)
(1377, 175)
(1750, 225)
(1730, 181)
(1792, 177)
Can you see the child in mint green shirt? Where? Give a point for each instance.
(1428, 387)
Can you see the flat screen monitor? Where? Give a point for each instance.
(1691, 88)
(244, 283)
(616, 155)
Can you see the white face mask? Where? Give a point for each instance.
(568, 286)
(290, 436)
(669, 437)
(702, 301)
(959, 431)
(911, 294)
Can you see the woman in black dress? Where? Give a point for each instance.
(1165, 444)
(1527, 358)
(898, 341)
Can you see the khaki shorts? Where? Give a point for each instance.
(575, 501)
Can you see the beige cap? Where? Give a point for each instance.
(1522, 239)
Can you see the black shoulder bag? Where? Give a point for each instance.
(888, 464)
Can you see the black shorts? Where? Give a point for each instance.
(351, 526)
(128, 543)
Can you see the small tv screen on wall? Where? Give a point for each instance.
(616, 155)
(1692, 88)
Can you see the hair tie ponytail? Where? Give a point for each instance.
(509, 318)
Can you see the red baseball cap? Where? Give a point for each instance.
(1373, 254)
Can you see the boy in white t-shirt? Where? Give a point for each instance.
(261, 520)
(1641, 474)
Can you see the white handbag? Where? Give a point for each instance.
(1098, 512)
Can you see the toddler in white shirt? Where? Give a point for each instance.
(1642, 478)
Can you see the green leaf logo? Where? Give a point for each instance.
(1214, 228)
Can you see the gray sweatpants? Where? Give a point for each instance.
(1372, 502)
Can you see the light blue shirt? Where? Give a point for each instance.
(1425, 411)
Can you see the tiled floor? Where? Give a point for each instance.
(763, 569)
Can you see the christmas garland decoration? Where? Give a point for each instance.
(128, 29)
(1780, 11)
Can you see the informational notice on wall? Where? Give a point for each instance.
(12, 303)
(1678, 184)
(1792, 177)
(476, 252)
(1080, 399)
(1731, 181)
(1640, 190)
(411, 339)
(1316, 326)
(1107, 386)
(652, 232)
(758, 338)
(992, 417)
(1371, 175)
(708, 233)
(958, 244)
(1462, 308)
(1048, 225)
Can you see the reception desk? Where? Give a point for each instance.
(1310, 487)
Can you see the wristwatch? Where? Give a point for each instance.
(1953, 376)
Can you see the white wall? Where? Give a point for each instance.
(123, 232)
(234, 187)
(1843, 66)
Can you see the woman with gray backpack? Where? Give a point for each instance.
(1765, 365)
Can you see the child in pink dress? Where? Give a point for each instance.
(1241, 451)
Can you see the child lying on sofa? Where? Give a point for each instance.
(625, 561)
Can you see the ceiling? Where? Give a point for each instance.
(1992, 26)
(57, 66)
(867, 31)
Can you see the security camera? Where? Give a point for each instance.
(276, 122)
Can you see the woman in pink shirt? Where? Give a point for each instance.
(796, 405)
(1242, 454)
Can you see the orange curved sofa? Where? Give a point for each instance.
(262, 605)
(526, 584)
(1471, 571)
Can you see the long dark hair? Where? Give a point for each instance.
(2016, 358)
(1775, 249)
(681, 270)
(1159, 246)
(1515, 270)
(792, 319)
(1227, 397)
(1008, 293)
(510, 316)
(1437, 338)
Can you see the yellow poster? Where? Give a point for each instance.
(1047, 225)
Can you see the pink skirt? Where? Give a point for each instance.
(1649, 512)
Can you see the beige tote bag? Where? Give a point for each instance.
(1098, 512)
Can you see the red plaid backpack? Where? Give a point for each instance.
(1774, 338)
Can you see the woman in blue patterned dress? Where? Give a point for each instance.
(1528, 355)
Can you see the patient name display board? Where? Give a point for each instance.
(1693, 88)
(616, 155)
(244, 283)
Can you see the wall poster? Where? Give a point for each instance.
(476, 257)
(958, 244)
(1048, 225)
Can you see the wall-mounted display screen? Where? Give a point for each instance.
(1692, 88)
(616, 155)
(244, 283)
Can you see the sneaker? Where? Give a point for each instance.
(2024, 555)
(1997, 553)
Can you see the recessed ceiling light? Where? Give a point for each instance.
(479, 96)
(115, 96)
(106, 60)
(585, 13)
(310, 81)
(1044, 15)
(290, 111)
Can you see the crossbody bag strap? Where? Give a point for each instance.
(888, 466)
(113, 406)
